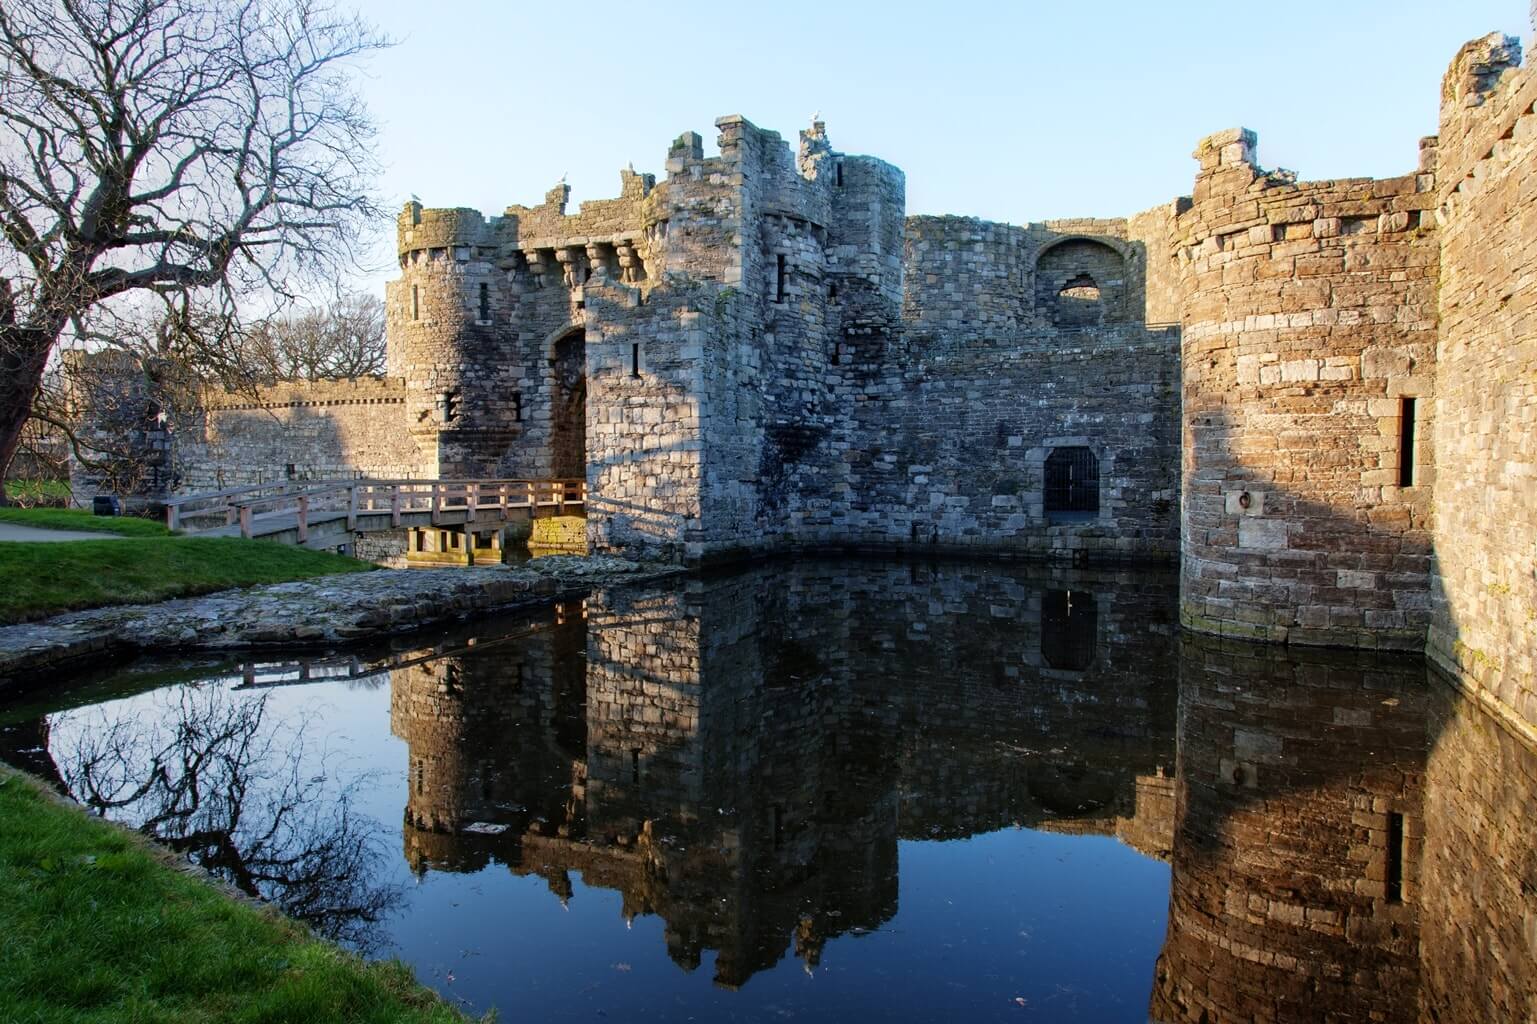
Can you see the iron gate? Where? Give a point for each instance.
(1072, 482)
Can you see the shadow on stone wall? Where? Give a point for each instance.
(1417, 898)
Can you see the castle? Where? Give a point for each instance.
(1321, 397)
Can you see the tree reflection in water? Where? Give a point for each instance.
(211, 775)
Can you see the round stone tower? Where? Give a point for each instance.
(442, 316)
(1308, 334)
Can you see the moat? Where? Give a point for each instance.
(904, 790)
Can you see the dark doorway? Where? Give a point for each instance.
(1072, 485)
(568, 407)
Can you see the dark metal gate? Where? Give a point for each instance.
(1072, 483)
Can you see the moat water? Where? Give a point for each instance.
(903, 791)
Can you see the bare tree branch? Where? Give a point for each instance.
(170, 147)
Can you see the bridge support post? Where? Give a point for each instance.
(395, 505)
(352, 508)
(304, 518)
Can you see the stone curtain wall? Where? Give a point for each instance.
(1484, 629)
(315, 430)
(1310, 314)
(949, 422)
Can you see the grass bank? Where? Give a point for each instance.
(46, 579)
(78, 519)
(38, 492)
(97, 926)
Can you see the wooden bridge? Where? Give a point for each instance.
(329, 513)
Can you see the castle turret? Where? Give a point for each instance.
(442, 316)
(1308, 351)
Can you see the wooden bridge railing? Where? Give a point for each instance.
(472, 498)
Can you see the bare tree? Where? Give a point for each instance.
(167, 147)
(345, 339)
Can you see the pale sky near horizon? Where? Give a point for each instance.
(1013, 112)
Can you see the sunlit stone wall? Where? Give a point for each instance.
(1485, 591)
(1310, 317)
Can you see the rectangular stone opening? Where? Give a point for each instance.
(416, 303)
(779, 287)
(635, 359)
(1406, 431)
(1395, 867)
(485, 301)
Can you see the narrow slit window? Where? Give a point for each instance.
(485, 301)
(517, 407)
(635, 766)
(1395, 868)
(779, 287)
(839, 173)
(635, 359)
(1406, 427)
(416, 303)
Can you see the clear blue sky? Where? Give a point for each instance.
(1010, 111)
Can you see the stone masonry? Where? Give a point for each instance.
(1318, 396)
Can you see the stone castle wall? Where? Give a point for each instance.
(950, 421)
(1484, 629)
(314, 430)
(1317, 393)
(1310, 317)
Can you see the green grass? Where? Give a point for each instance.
(96, 926)
(79, 519)
(31, 492)
(45, 579)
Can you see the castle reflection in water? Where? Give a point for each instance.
(740, 756)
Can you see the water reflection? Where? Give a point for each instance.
(1298, 837)
(211, 775)
(762, 764)
(742, 758)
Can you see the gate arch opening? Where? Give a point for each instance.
(568, 406)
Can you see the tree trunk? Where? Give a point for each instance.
(23, 356)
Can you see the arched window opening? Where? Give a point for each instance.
(1072, 485)
(1069, 629)
(1081, 283)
